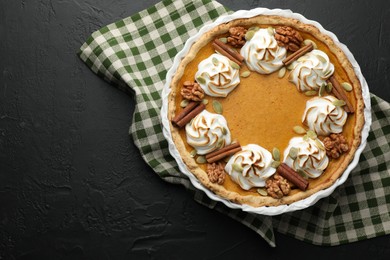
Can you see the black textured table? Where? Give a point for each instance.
(73, 185)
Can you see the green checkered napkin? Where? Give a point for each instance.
(135, 54)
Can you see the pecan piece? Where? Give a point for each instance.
(216, 172)
(288, 37)
(192, 91)
(335, 145)
(236, 36)
(277, 186)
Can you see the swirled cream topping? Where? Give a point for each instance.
(207, 132)
(311, 71)
(323, 117)
(262, 52)
(216, 76)
(311, 156)
(250, 167)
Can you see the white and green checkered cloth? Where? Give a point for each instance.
(135, 54)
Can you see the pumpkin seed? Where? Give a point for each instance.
(276, 154)
(339, 103)
(254, 28)
(201, 80)
(217, 107)
(305, 138)
(293, 153)
(303, 174)
(307, 42)
(193, 153)
(311, 93)
(234, 49)
(201, 159)
(223, 39)
(291, 66)
(328, 73)
(215, 61)
(224, 130)
(329, 87)
(205, 101)
(299, 130)
(237, 167)
(249, 35)
(234, 65)
(245, 74)
(319, 144)
(282, 72)
(311, 134)
(322, 90)
(270, 30)
(262, 192)
(184, 103)
(275, 164)
(346, 86)
(220, 144)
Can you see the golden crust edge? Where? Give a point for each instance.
(258, 201)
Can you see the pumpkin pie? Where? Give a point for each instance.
(265, 111)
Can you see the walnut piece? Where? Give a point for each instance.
(236, 36)
(335, 145)
(216, 172)
(288, 37)
(192, 91)
(277, 186)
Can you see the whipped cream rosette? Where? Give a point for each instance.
(216, 76)
(250, 167)
(323, 117)
(207, 132)
(311, 71)
(262, 52)
(310, 158)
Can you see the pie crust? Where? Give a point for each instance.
(338, 57)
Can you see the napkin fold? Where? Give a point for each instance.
(135, 53)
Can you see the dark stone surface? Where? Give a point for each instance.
(73, 185)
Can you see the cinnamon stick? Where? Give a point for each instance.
(285, 171)
(222, 153)
(339, 92)
(225, 53)
(191, 105)
(299, 53)
(188, 113)
(227, 48)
